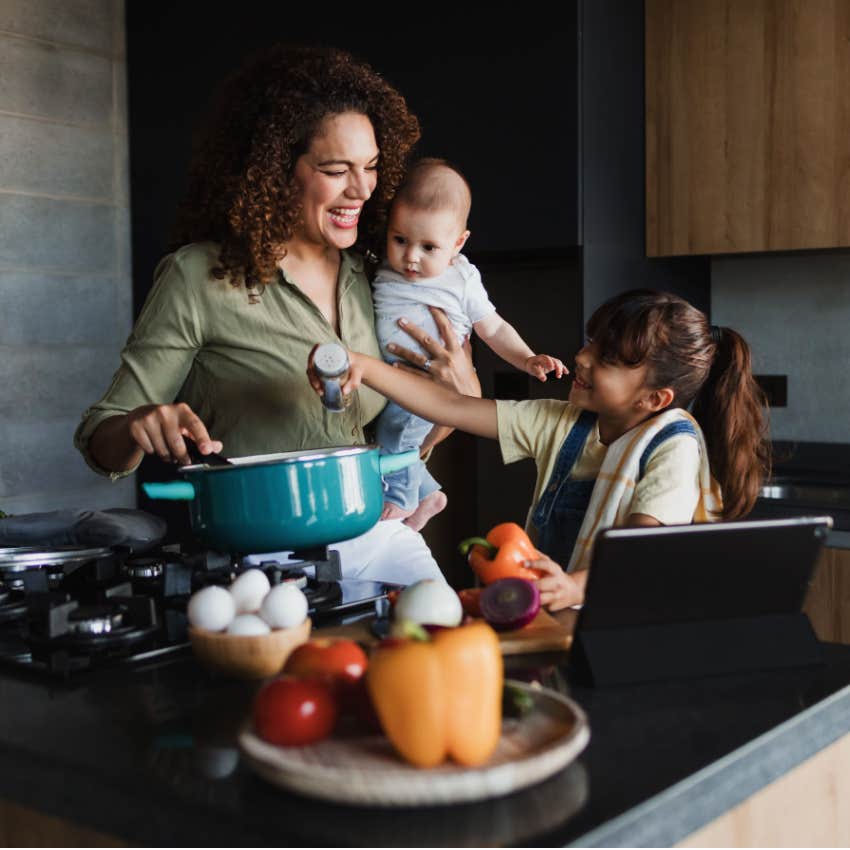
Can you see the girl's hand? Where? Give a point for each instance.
(355, 373)
(449, 364)
(557, 589)
(540, 365)
(160, 429)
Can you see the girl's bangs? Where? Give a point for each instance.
(623, 328)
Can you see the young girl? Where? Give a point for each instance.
(623, 450)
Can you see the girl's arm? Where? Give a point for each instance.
(642, 520)
(423, 397)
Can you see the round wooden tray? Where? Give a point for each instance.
(366, 771)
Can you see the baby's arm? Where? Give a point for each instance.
(503, 338)
(420, 396)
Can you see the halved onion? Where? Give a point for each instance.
(510, 603)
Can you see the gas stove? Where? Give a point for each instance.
(66, 610)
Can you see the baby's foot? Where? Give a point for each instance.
(392, 511)
(430, 506)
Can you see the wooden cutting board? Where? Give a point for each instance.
(545, 633)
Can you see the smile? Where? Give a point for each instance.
(580, 384)
(345, 218)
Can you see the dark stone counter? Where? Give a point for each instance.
(148, 756)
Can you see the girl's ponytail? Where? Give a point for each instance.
(730, 408)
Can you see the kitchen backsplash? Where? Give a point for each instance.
(794, 310)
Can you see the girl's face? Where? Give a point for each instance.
(336, 176)
(616, 392)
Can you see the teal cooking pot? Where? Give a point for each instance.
(291, 500)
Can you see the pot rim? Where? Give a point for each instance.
(299, 456)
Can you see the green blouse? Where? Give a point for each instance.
(240, 366)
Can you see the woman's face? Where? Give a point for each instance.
(336, 176)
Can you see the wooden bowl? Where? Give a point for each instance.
(248, 656)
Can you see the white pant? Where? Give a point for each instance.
(390, 551)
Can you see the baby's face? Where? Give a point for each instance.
(421, 244)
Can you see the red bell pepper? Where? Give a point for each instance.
(502, 554)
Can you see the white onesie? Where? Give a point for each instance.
(458, 291)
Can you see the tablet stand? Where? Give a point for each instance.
(615, 656)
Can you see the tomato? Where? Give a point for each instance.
(338, 659)
(294, 712)
(470, 599)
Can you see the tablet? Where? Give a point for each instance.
(710, 571)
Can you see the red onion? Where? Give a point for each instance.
(510, 603)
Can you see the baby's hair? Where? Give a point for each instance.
(433, 184)
(710, 372)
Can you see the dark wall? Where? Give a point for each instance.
(495, 93)
(613, 164)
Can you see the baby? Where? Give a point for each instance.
(425, 234)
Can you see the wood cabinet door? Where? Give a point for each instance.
(828, 600)
(747, 125)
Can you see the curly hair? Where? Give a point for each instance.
(241, 190)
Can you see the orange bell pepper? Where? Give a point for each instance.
(440, 698)
(501, 554)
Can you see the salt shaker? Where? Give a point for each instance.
(330, 360)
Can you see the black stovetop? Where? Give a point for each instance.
(68, 610)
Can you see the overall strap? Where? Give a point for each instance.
(682, 426)
(569, 452)
(573, 444)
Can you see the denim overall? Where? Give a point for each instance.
(563, 504)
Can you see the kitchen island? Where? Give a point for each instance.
(147, 756)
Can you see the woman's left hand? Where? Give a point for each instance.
(557, 589)
(449, 364)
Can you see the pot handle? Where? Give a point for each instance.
(171, 490)
(392, 463)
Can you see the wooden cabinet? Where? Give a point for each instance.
(803, 808)
(23, 827)
(747, 125)
(828, 601)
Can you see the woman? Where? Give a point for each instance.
(301, 140)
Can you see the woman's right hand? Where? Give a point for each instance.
(449, 364)
(160, 429)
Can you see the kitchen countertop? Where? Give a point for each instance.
(148, 756)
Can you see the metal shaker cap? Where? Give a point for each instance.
(330, 360)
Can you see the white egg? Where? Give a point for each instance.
(248, 624)
(285, 606)
(212, 608)
(249, 590)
